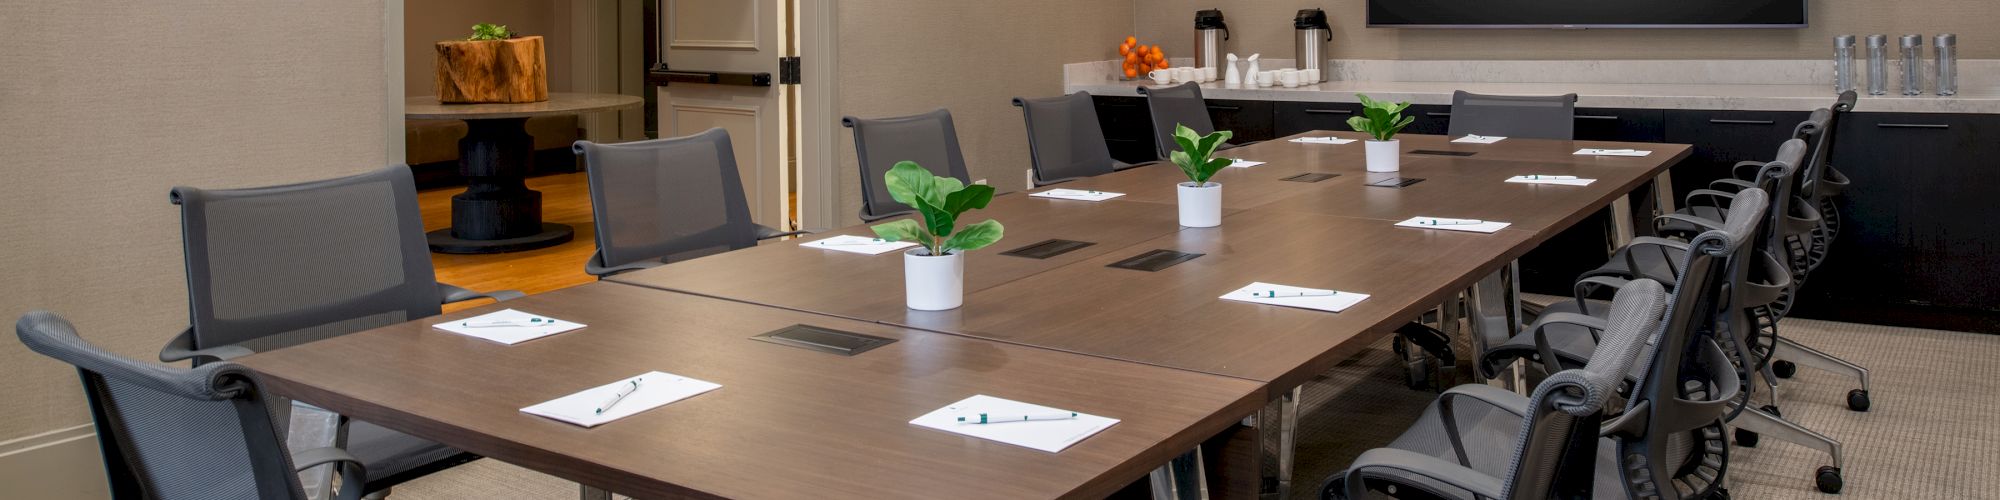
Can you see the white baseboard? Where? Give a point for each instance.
(59, 464)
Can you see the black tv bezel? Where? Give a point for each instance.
(1368, 14)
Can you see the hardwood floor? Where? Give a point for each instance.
(565, 200)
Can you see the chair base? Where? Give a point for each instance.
(552, 234)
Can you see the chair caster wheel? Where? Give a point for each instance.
(1857, 400)
(1784, 369)
(1773, 410)
(1828, 479)
(1746, 438)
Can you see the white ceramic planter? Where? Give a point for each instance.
(933, 283)
(1385, 156)
(1201, 206)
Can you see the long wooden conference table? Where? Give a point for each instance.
(1156, 349)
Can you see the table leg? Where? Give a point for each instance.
(1494, 308)
(497, 212)
(1277, 428)
(587, 492)
(1184, 477)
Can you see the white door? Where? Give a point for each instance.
(731, 39)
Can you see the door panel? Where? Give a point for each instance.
(742, 36)
(747, 140)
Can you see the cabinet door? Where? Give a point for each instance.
(1616, 124)
(1294, 117)
(1431, 119)
(1920, 223)
(1128, 127)
(1248, 120)
(1722, 138)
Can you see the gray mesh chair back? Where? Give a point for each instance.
(170, 432)
(275, 266)
(666, 198)
(879, 143)
(1521, 117)
(1176, 105)
(1065, 138)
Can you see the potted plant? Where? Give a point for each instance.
(934, 272)
(1382, 120)
(492, 65)
(1200, 200)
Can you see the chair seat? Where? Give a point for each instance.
(1689, 230)
(395, 457)
(1488, 434)
(1655, 263)
(1572, 343)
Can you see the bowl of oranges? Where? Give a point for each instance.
(1140, 59)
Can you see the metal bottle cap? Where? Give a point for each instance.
(1878, 41)
(1909, 41)
(1843, 41)
(1947, 40)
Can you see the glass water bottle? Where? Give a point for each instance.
(1878, 64)
(1843, 63)
(1947, 64)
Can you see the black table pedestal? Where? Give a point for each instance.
(497, 213)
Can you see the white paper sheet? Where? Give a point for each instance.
(1337, 302)
(508, 326)
(859, 244)
(1546, 179)
(656, 389)
(1478, 139)
(1449, 224)
(1322, 140)
(1242, 163)
(1612, 152)
(1077, 194)
(1047, 435)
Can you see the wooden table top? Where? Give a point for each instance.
(787, 422)
(559, 103)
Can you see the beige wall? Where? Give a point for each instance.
(904, 57)
(1265, 26)
(109, 105)
(426, 22)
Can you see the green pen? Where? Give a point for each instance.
(996, 418)
(1551, 177)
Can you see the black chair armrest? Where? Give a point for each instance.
(1410, 462)
(1717, 199)
(767, 232)
(181, 348)
(595, 266)
(451, 294)
(353, 474)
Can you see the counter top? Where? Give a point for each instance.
(1685, 95)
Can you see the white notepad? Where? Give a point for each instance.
(656, 389)
(859, 244)
(1290, 296)
(508, 326)
(1077, 194)
(1322, 140)
(1468, 225)
(1242, 163)
(1047, 435)
(1550, 179)
(1612, 152)
(1478, 139)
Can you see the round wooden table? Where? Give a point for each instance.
(497, 212)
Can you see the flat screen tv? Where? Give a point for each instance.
(1578, 14)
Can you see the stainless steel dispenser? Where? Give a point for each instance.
(1913, 63)
(1843, 63)
(1309, 43)
(1947, 64)
(1209, 34)
(1878, 64)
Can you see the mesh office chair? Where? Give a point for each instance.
(879, 143)
(1065, 139)
(667, 198)
(1479, 441)
(271, 267)
(1521, 117)
(167, 432)
(1179, 105)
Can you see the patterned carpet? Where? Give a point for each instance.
(1933, 433)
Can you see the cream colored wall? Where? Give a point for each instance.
(1265, 26)
(905, 57)
(108, 106)
(426, 22)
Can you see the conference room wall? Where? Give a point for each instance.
(1265, 26)
(107, 106)
(900, 57)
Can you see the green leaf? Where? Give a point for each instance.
(1209, 169)
(1208, 144)
(975, 236)
(899, 230)
(936, 219)
(1185, 162)
(909, 182)
(968, 198)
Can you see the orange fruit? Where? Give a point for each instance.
(1131, 40)
(1161, 65)
(1123, 50)
(1131, 73)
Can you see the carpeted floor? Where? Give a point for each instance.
(1933, 433)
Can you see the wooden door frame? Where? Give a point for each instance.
(816, 25)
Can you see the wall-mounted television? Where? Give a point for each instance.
(1578, 14)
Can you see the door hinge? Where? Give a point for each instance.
(788, 70)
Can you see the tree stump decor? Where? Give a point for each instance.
(511, 70)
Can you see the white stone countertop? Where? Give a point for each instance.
(1983, 99)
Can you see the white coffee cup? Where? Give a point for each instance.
(1208, 74)
(1266, 78)
(1289, 78)
(1309, 76)
(1161, 76)
(1185, 74)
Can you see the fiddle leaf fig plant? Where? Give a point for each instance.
(939, 201)
(1194, 157)
(1380, 119)
(490, 31)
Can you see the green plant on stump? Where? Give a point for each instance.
(1380, 119)
(939, 201)
(490, 31)
(1195, 156)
